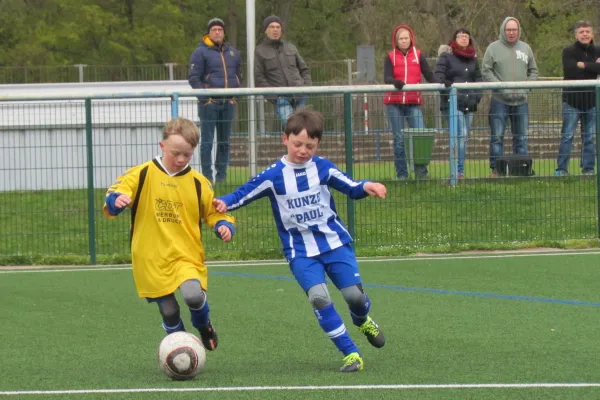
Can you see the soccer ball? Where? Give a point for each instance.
(181, 356)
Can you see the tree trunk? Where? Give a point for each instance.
(285, 12)
(232, 24)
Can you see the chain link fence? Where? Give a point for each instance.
(57, 163)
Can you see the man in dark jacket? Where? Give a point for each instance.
(215, 64)
(277, 63)
(580, 61)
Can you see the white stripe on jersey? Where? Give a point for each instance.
(259, 189)
(289, 180)
(342, 227)
(337, 174)
(310, 243)
(312, 172)
(333, 239)
(292, 248)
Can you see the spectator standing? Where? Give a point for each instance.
(457, 63)
(277, 63)
(580, 61)
(215, 64)
(405, 64)
(508, 59)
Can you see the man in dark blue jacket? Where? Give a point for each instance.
(215, 64)
(580, 61)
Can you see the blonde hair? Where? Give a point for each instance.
(403, 30)
(182, 127)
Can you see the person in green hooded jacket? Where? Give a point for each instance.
(508, 59)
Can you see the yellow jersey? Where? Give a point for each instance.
(166, 215)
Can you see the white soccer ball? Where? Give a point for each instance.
(181, 355)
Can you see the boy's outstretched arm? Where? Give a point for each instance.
(256, 188)
(220, 205)
(222, 223)
(354, 189)
(375, 189)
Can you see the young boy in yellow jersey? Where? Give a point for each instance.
(169, 201)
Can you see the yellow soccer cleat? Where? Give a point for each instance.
(373, 333)
(353, 362)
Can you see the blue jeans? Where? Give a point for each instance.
(285, 106)
(215, 114)
(396, 115)
(463, 126)
(519, 122)
(571, 117)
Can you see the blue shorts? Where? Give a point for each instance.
(339, 265)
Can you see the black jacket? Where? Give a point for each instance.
(582, 98)
(456, 69)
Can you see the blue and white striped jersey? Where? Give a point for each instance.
(302, 203)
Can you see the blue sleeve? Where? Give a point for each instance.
(343, 183)
(254, 189)
(197, 69)
(227, 224)
(110, 204)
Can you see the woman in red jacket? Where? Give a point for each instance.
(404, 65)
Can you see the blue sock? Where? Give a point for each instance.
(172, 329)
(200, 315)
(334, 327)
(359, 314)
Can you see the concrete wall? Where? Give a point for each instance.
(43, 143)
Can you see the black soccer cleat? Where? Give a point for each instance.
(209, 337)
(373, 333)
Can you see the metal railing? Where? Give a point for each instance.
(61, 148)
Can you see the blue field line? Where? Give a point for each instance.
(426, 290)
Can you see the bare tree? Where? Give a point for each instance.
(232, 23)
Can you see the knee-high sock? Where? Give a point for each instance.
(200, 316)
(172, 329)
(359, 314)
(334, 327)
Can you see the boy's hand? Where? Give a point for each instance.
(122, 201)
(225, 233)
(375, 189)
(220, 205)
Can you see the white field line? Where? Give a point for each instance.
(289, 388)
(259, 263)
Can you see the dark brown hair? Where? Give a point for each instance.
(308, 119)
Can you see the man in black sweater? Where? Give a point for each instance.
(580, 61)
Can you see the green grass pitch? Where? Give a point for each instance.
(507, 320)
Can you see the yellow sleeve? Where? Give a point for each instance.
(209, 214)
(127, 184)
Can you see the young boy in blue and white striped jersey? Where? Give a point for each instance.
(315, 241)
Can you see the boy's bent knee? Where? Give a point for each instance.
(318, 296)
(169, 310)
(354, 295)
(193, 295)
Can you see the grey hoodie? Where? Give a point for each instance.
(504, 62)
